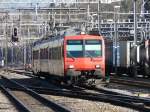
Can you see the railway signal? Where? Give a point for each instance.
(15, 31)
(14, 35)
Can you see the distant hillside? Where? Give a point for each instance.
(127, 5)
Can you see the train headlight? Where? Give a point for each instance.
(97, 66)
(82, 33)
(71, 66)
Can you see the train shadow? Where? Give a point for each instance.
(34, 82)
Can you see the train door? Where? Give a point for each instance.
(56, 64)
(62, 57)
(38, 61)
(50, 59)
(35, 61)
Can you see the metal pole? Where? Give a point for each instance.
(25, 54)
(115, 39)
(135, 24)
(116, 8)
(12, 50)
(60, 15)
(116, 34)
(135, 40)
(88, 16)
(45, 28)
(12, 56)
(88, 10)
(99, 21)
(6, 51)
(149, 31)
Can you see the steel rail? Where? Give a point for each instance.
(54, 106)
(146, 101)
(18, 104)
(120, 95)
(118, 100)
(106, 91)
(42, 90)
(130, 82)
(124, 100)
(103, 98)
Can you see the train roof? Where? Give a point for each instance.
(61, 34)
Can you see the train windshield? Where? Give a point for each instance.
(74, 48)
(84, 48)
(93, 48)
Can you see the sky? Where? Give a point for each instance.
(10, 3)
(34, 2)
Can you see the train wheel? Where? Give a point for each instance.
(71, 77)
(69, 81)
(72, 80)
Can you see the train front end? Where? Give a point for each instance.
(84, 58)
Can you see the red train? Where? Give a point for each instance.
(71, 56)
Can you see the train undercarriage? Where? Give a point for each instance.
(90, 78)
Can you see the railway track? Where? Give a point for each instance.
(102, 95)
(126, 101)
(28, 100)
(125, 81)
(121, 100)
(130, 82)
(20, 72)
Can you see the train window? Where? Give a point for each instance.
(53, 53)
(41, 53)
(62, 51)
(93, 48)
(92, 42)
(59, 52)
(56, 53)
(75, 48)
(35, 54)
(74, 45)
(44, 53)
(74, 42)
(50, 53)
(84, 48)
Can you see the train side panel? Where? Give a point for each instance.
(49, 58)
(57, 61)
(35, 60)
(44, 58)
